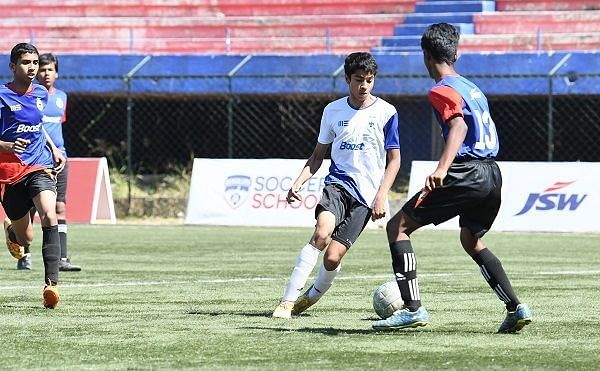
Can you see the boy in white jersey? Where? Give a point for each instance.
(362, 131)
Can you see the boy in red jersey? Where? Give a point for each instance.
(55, 115)
(27, 165)
(467, 183)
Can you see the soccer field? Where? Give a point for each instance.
(177, 297)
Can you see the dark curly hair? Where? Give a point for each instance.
(441, 41)
(48, 58)
(20, 49)
(360, 61)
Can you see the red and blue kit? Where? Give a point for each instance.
(455, 96)
(21, 117)
(55, 114)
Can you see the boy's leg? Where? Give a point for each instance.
(495, 276)
(17, 226)
(45, 203)
(404, 264)
(327, 273)
(351, 225)
(24, 263)
(64, 264)
(19, 234)
(305, 263)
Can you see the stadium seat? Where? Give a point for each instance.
(517, 25)
(295, 26)
(513, 5)
(407, 36)
(536, 30)
(187, 26)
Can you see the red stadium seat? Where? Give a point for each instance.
(535, 30)
(512, 5)
(280, 26)
(219, 26)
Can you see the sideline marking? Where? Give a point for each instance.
(271, 279)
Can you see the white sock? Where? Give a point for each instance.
(323, 282)
(304, 265)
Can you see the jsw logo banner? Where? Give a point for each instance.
(555, 197)
(538, 196)
(252, 192)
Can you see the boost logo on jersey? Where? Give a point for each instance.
(22, 128)
(549, 200)
(352, 146)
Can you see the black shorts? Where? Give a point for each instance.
(351, 216)
(61, 184)
(472, 190)
(17, 198)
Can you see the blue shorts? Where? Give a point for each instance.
(17, 198)
(351, 216)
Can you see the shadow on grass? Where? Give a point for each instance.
(244, 314)
(331, 331)
(20, 306)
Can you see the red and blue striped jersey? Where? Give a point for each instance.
(55, 114)
(456, 96)
(20, 117)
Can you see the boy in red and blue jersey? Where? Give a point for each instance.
(466, 183)
(55, 115)
(27, 165)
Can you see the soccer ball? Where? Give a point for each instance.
(387, 299)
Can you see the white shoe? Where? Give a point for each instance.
(284, 310)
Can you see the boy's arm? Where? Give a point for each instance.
(59, 159)
(456, 136)
(449, 104)
(379, 206)
(18, 146)
(310, 168)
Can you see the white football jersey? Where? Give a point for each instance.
(359, 141)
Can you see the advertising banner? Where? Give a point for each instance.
(89, 194)
(252, 192)
(537, 196)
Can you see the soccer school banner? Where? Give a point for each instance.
(251, 192)
(89, 196)
(537, 196)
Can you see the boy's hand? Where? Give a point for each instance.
(435, 180)
(20, 145)
(293, 194)
(379, 208)
(59, 160)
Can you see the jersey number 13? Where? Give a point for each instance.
(487, 138)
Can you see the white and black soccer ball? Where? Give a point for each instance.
(387, 299)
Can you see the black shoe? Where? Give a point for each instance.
(64, 265)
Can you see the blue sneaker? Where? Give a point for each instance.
(403, 318)
(516, 320)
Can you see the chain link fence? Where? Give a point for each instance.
(161, 133)
(155, 132)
